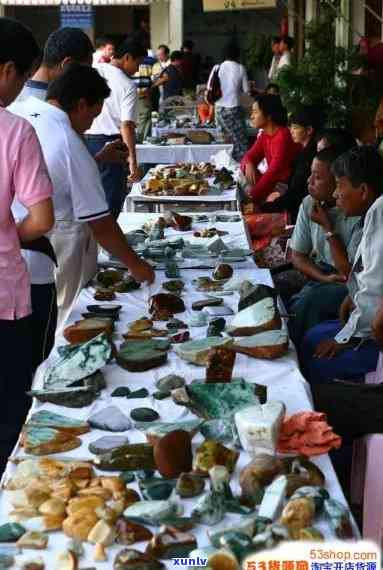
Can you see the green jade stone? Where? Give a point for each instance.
(161, 395)
(44, 418)
(169, 383)
(142, 393)
(142, 355)
(120, 392)
(156, 489)
(11, 532)
(127, 477)
(144, 415)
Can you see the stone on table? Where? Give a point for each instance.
(45, 418)
(66, 560)
(166, 301)
(221, 430)
(180, 337)
(250, 294)
(218, 401)
(269, 345)
(152, 512)
(197, 351)
(260, 317)
(109, 277)
(126, 285)
(209, 302)
(257, 475)
(142, 355)
(171, 543)
(129, 559)
(110, 419)
(128, 532)
(273, 498)
(156, 430)
(216, 327)
(158, 395)
(102, 533)
(155, 488)
(66, 397)
(7, 559)
(318, 494)
(298, 514)
(11, 532)
(175, 325)
(34, 540)
(171, 269)
(79, 363)
(221, 311)
(190, 485)
(170, 382)
(207, 285)
(179, 222)
(104, 294)
(45, 440)
(174, 286)
(120, 392)
(258, 427)
(140, 325)
(173, 454)
(209, 509)
(141, 393)
(130, 457)
(220, 364)
(144, 415)
(199, 320)
(109, 311)
(339, 517)
(86, 329)
(222, 272)
(107, 443)
(212, 453)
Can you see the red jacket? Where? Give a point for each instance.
(280, 152)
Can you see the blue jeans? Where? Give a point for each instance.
(350, 364)
(113, 174)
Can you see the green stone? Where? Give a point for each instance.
(120, 392)
(129, 559)
(210, 302)
(159, 429)
(127, 477)
(129, 457)
(45, 418)
(161, 395)
(216, 327)
(66, 397)
(156, 489)
(152, 512)
(126, 285)
(210, 509)
(238, 543)
(142, 355)
(220, 430)
(251, 294)
(144, 415)
(190, 485)
(169, 383)
(142, 393)
(171, 270)
(197, 351)
(174, 286)
(11, 532)
(217, 401)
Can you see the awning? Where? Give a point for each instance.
(79, 2)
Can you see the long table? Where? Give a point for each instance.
(282, 378)
(169, 154)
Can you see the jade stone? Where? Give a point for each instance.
(66, 397)
(198, 320)
(152, 512)
(170, 382)
(251, 294)
(238, 543)
(144, 415)
(45, 418)
(130, 559)
(216, 327)
(127, 477)
(161, 395)
(220, 430)
(107, 443)
(210, 509)
(159, 429)
(142, 355)
(210, 302)
(175, 325)
(142, 393)
(110, 419)
(156, 489)
(197, 351)
(11, 532)
(120, 392)
(143, 474)
(190, 485)
(83, 361)
(127, 458)
(171, 270)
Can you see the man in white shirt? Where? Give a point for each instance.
(104, 50)
(118, 118)
(73, 101)
(275, 43)
(285, 47)
(345, 349)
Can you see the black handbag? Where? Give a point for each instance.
(214, 91)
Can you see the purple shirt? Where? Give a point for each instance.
(22, 174)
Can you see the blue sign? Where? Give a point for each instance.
(76, 16)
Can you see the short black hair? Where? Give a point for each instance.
(67, 42)
(176, 55)
(361, 165)
(17, 44)
(188, 44)
(288, 40)
(276, 40)
(340, 138)
(271, 106)
(131, 47)
(104, 41)
(165, 48)
(308, 116)
(231, 51)
(78, 82)
(272, 86)
(329, 155)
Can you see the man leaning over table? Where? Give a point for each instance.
(345, 349)
(23, 173)
(82, 216)
(63, 47)
(118, 118)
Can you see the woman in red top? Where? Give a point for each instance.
(274, 144)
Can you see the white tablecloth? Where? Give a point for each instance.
(159, 154)
(282, 378)
(163, 131)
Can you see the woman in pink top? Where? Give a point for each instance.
(22, 174)
(274, 144)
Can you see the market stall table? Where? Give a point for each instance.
(282, 378)
(170, 154)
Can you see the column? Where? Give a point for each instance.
(176, 23)
(311, 10)
(342, 25)
(358, 18)
(166, 22)
(2, 11)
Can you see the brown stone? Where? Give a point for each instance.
(129, 532)
(166, 301)
(171, 543)
(86, 329)
(173, 454)
(220, 364)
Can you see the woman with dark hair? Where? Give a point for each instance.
(339, 138)
(230, 116)
(274, 144)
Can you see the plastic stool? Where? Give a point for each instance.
(366, 474)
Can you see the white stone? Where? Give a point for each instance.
(267, 338)
(273, 498)
(254, 316)
(258, 427)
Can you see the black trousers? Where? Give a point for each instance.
(15, 380)
(43, 321)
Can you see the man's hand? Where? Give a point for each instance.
(334, 278)
(329, 349)
(143, 272)
(115, 151)
(135, 173)
(319, 215)
(345, 309)
(377, 326)
(252, 174)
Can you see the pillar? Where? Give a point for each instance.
(311, 10)
(342, 25)
(358, 18)
(166, 23)
(2, 11)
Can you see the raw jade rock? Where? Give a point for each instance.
(169, 383)
(190, 485)
(45, 440)
(216, 327)
(107, 443)
(120, 392)
(220, 364)
(210, 302)
(175, 325)
(339, 517)
(273, 498)
(269, 345)
(161, 395)
(66, 397)
(174, 286)
(171, 270)
(239, 544)
(129, 559)
(45, 418)
(156, 430)
(79, 363)
(173, 454)
(220, 430)
(166, 301)
(222, 271)
(210, 509)
(156, 489)
(110, 419)
(171, 543)
(131, 457)
(142, 355)
(142, 393)
(212, 453)
(218, 401)
(128, 532)
(199, 320)
(144, 415)
(258, 427)
(152, 512)
(318, 494)
(260, 317)
(11, 532)
(180, 337)
(197, 351)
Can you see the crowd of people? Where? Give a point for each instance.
(68, 147)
